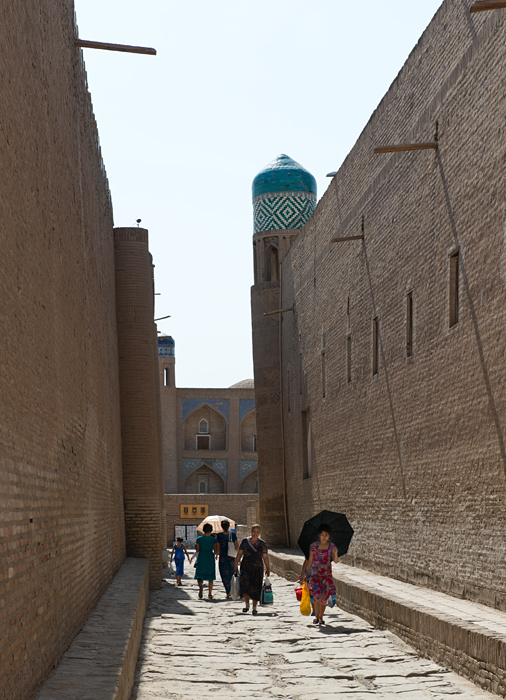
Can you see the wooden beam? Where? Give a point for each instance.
(348, 238)
(279, 311)
(407, 147)
(114, 47)
(483, 5)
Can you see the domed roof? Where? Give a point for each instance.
(283, 174)
(166, 340)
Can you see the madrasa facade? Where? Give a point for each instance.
(379, 325)
(209, 449)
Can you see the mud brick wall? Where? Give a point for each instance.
(61, 507)
(414, 454)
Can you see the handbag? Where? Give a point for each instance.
(305, 603)
(232, 552)
(266, 596)
(234, 587)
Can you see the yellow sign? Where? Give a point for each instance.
(193, 511)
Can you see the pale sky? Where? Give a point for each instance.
(184, 133)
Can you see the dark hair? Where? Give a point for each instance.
(207, 528)
(180, 539)
(324, 528)
(225, 525)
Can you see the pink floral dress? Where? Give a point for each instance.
(321, 584)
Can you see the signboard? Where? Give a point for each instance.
(187, 532)
(197, 512)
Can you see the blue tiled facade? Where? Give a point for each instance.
(246, 466)
(220, 466)
(221, 405)
(245, 406)
(284, 195)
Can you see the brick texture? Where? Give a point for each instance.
(61, 508)
(414, 455)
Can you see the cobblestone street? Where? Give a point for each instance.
(199, 649)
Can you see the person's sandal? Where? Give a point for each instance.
(200, 592)
(254, 611)
(246, 609)
(210, 596)
(316, 621)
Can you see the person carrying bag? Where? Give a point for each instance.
(266, 596)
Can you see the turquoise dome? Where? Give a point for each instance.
(283, 174)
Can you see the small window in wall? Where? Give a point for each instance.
(255, 263)
(271, 264)
(348, 359)
(324, 377)
(300, 373)
(375, 345)
(203, 442)
(203, 426)
(454, 290)
(255, 488)
(254, 443)
(166, 376)
(307, 447)
(202, 486)
(409, 325)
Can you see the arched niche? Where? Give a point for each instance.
(271, 264)
(204, 474)
(249, 432)
(250, 483)
(217, 429)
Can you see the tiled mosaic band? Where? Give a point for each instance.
(272, 213)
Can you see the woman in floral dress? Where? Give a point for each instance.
(321, 584)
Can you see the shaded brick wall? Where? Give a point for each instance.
(61, 507)
(414, 455)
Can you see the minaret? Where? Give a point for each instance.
(284, 197)
(168, 402)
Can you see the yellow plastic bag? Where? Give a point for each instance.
(305, 601)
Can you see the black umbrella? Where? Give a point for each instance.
(341, 531)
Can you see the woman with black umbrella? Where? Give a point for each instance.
(321, 584)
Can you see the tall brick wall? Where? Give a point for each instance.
(139, 400)
(414, 455)
(61, 507)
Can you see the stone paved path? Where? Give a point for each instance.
(201, 649)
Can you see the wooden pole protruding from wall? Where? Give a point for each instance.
(114, 47)
(347, 238)
(408, 146)
(484, 5)
(279, 311)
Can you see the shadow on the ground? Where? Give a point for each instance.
(339, 629)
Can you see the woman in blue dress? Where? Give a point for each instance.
(225, 561)
(206, 547)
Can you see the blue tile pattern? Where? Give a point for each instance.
(246, 466)
(274, 213)
(166, 346)
(283, 174)
(220, 466)
(245, 406)
(221, 405)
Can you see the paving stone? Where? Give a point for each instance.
(229, 655)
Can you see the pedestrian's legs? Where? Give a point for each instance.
(178, 580)
(323, 605)
(246, 603)
(255, 603)
(201, 583)
(211, 589)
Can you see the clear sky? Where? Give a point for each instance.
(183, 134)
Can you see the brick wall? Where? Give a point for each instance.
(232, 505)
(415, 454)
(61, 508)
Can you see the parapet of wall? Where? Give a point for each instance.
(415, 453)
(61, 506)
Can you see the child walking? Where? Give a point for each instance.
(178, 552)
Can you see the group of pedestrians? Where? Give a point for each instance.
(250, 557)
(248, 562)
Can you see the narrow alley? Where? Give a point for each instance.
(201, 649)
